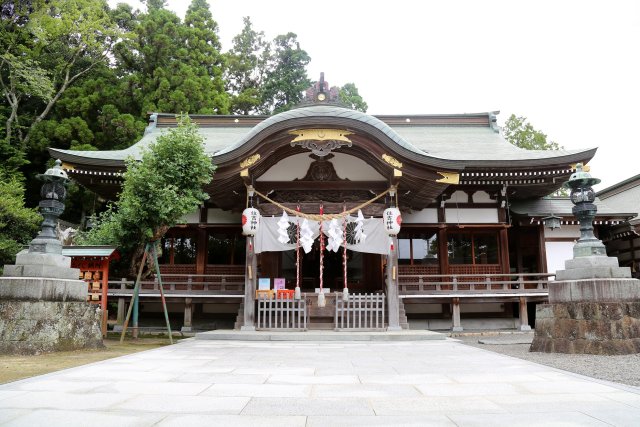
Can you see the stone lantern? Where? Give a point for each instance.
(43, 304)
(53, 194)
(582, 196)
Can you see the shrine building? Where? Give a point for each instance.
(478, 240)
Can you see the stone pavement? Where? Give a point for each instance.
(239, 383)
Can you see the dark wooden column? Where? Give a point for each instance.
(504, 250)
(202, 248)
(443, 253)
(251, 267)
(542, 251)
(392, 287)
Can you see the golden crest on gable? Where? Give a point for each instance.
(392, 161)
(320, 135)
(249, 161)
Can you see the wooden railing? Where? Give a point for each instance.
(192, 285)
(442, 284)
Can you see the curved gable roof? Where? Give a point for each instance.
(329, 113)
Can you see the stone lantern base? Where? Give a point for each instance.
(588, 328)
(595, 309)
(43, 307)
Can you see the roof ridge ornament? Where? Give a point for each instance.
(320, 93)
(493, 121)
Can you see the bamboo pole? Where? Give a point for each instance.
(164, 302)
(136, 290)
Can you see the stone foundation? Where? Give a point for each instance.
(606, 328)
(31, 327)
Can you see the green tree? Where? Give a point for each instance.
(247, 62)
(55, 44)
(18, 224)
(286, 78)
(157, 192)
(173, 66)
(349, 96)
(519, 132)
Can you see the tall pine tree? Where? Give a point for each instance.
(287, 75)
(247, 62)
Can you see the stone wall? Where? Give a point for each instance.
(588, 328)
(31, 327)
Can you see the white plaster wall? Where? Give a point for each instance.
(425, 216)
(471, 216)
(218, 216)
(557, 254)
(214, 216)
(296, 167)
(288, 169)
(458, 197)
(564, 232)
(192, 218)
(482, 197)
(353, 168)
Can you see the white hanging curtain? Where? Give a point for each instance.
(376, 242)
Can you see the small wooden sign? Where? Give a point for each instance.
(264, 283)
(279, 284)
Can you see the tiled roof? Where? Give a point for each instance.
(470, 143)
(449, 141)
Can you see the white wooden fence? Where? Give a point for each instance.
(360, 311)
(281, 313)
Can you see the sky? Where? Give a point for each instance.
(572, 68)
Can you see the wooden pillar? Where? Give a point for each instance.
(201, 248)
(542, 251)
(393, 304)
(121, 305)
(457, 326)
(504, 250)
(443, 253)
(443, 256)
(188, 315)
(524, 316)
(250, 279)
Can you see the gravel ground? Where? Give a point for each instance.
(620, 369)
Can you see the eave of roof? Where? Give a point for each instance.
(88, 251)
(609, 191)
(561, 206)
